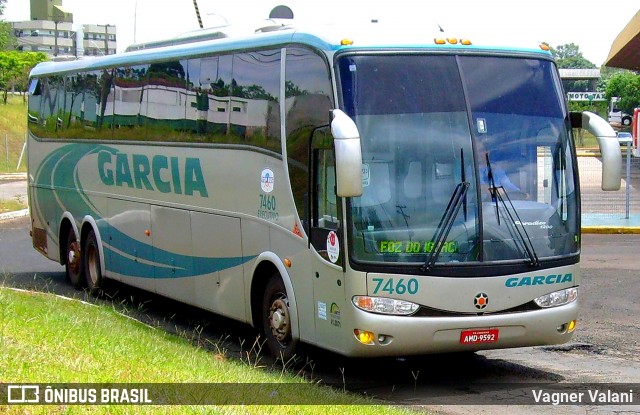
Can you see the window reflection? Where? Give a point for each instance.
(308, 102)
(131, 108)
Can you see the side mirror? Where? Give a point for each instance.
(346, 140)
(609, 148)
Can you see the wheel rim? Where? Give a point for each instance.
(73, 256)
(279, 322)
(93, 263)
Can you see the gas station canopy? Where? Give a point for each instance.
(625, 50)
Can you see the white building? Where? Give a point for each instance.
(51, 30)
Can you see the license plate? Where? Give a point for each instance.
(479, 336)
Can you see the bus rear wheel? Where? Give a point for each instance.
(92, 264)
(276, 320)
(73, 260)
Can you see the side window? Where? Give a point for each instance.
(197, 112)
(166, 94)
(74, 112)
(325, 212)
(309, 99)
(208, 99)
(220, 91)
(53, 94)
(104, 95)
(90, 101)
(254, 107)
(130, 106)
(34, 113)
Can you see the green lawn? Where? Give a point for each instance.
(50, 339)
(11, 205)
(13, 128)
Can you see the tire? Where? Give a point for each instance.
(276, 320)
(73, 261)
(626, 121)
(92, 264)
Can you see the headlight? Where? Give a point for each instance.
(558, 298)
(383, 305)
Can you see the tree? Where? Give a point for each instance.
(625, 85)
(6, 40)
(569, 57)
(14, 70)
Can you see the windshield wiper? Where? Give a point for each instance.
(446, 223)
(521, 231)
(493, 190)
(463, 179)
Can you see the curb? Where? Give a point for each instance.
(14, 215)
(12, 176)
(611, 230)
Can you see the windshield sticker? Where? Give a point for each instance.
(366, 175)
(415, 247)
(333, 247)
(267, 180)
(482, 125)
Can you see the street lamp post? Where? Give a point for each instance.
(106, 39)
(55, 41)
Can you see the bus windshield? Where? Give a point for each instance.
(430, 124)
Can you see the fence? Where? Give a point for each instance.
(620, 204)
(12, 154)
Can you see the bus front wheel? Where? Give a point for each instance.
(73, 260)
(92, 264)
(276, 320)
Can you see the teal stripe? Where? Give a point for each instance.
(58, 189)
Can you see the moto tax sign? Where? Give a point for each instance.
(586, 96)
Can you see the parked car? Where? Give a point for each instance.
(624, 138)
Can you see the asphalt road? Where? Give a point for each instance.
(605, 349)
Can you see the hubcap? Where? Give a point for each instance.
(93, 264)
(73, 256)
(279, 319)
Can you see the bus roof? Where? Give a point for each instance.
(330, 38)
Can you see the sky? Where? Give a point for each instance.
(556, 22)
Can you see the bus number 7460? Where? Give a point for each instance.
(391, 286)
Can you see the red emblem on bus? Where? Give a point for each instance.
(481, 300)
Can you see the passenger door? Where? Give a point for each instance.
(327, 247)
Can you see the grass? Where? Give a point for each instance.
(13, 128)
(11, 205)
(50, 339)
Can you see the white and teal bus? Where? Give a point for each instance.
(366, 191)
